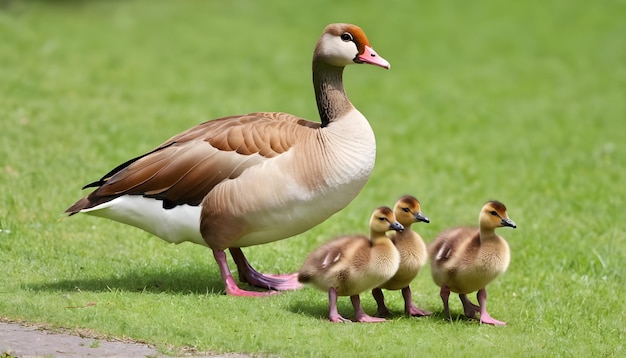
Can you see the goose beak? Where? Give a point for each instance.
(422, 218)
(371, 57)
(396, 226)
(508, 222)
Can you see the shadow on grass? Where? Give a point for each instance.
(441, 317)
(344, 306)
(320, 311)
(184, 281)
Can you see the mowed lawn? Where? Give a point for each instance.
(524, 102)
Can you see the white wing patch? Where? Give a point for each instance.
(329, 260)
(443, 253)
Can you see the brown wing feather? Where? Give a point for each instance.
(465, 239)
(187, 166)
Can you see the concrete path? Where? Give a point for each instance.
(28, 342)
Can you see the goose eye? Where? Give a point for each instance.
(381, 219)
(493, 212)
(406, 210)
(346, 37)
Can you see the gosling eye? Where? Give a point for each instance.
(382, 219)
(346, 36)
(494, 213)
(406, 210)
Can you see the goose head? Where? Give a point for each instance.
(408, 211)
(494, 215)
(383, 220)
(344, 44)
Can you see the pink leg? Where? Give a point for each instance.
(229, 282)
(445, 295)
(382, 311)
(333, 314)
(254, 278)
(469, 308)
(484, 316)
(409, 307)
(359, 314)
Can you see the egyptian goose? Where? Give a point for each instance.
(413, 256)
(349, 265)
(465, 259)
(232, 182)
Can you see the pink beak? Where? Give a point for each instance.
(370, 56)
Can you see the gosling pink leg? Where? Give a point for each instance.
(445, 295)
(359, 314)
(333, 314)
(484, 316)
(409, 307)
(229, 282)
(382, 311)
(469, 308)
(273, 282)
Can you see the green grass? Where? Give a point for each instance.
(522, 102)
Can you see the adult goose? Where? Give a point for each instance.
(413, 256)
(466, 259)
(251, 179)
(351, 264)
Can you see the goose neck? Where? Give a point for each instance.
(331, 98)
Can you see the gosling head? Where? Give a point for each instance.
(383, 220)
(494, 215)
(409, 211)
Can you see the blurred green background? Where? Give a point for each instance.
(523, 102)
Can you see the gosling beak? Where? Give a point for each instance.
(421, 217)
(396, 226)
(508, 222)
